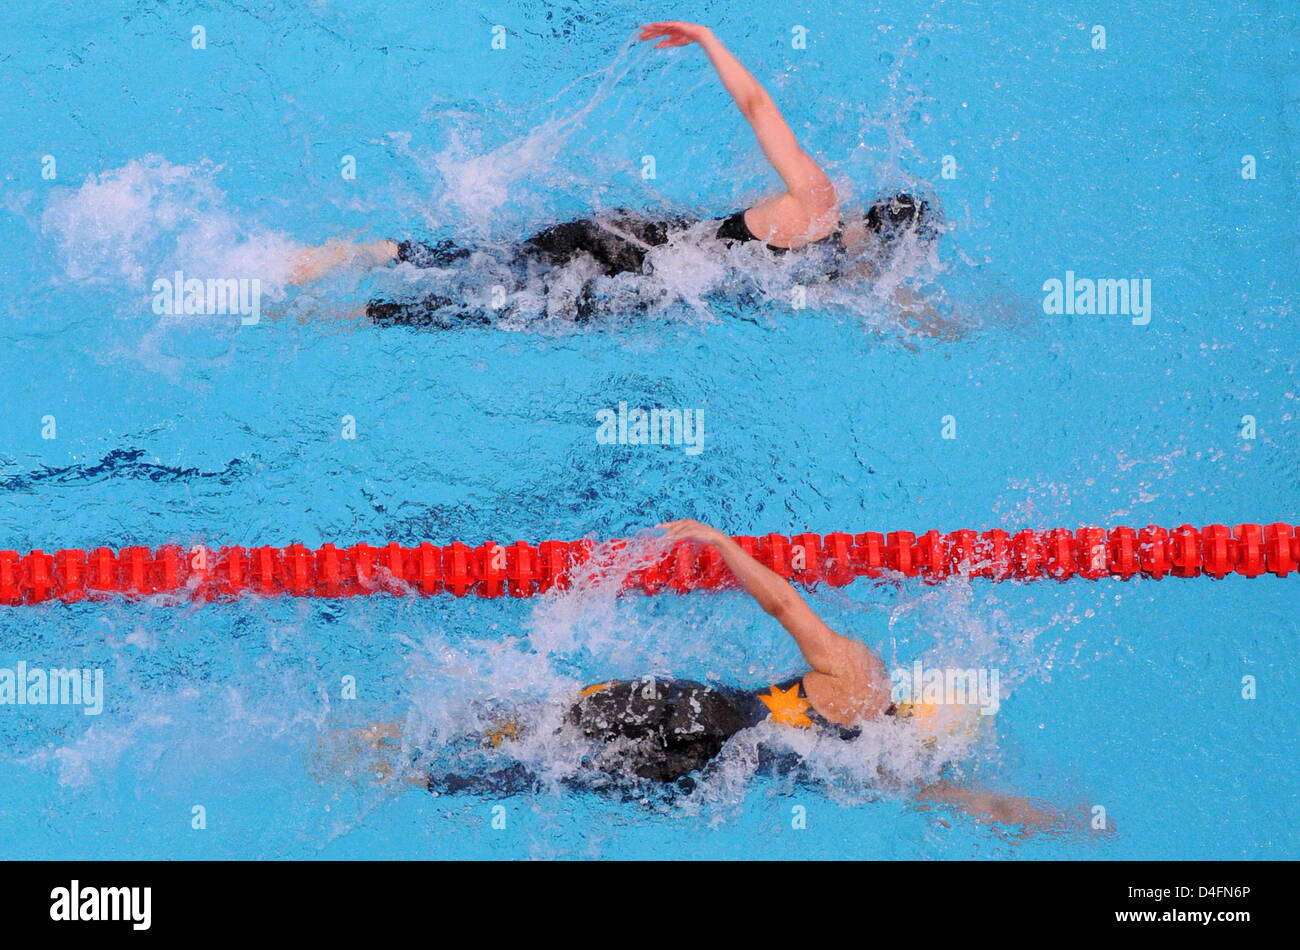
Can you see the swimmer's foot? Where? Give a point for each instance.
(364, 755)
(378, 734)
(506, 729)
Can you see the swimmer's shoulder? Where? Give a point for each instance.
(787, 222)
(861, 691)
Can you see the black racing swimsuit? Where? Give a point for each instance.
(656, 730)
(618, 243)
(677, 726)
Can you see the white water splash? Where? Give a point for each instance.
(128, 226)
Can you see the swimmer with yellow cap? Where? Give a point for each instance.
(665, 730)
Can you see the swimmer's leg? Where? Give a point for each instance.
(514, 779)
(433, 312)
(420, 254)
(312, 263)
(617, 241)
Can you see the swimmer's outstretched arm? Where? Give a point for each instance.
(825, 650)
(804, 179)
(993, 808)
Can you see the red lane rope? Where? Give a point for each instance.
(522, 570)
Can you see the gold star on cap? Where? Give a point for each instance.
(787, 706)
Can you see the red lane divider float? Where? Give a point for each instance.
(522, 570)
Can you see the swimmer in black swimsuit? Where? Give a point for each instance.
(806, 214)
(670, 731)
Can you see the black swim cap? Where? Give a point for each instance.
(890, 217)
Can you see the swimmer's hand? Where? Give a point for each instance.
(688, 529)
(675, 33)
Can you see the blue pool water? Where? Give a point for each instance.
(1123, 162)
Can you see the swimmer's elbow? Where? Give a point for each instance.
(818, 192)
(808, 183)
(781, 606)
(754, 102)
